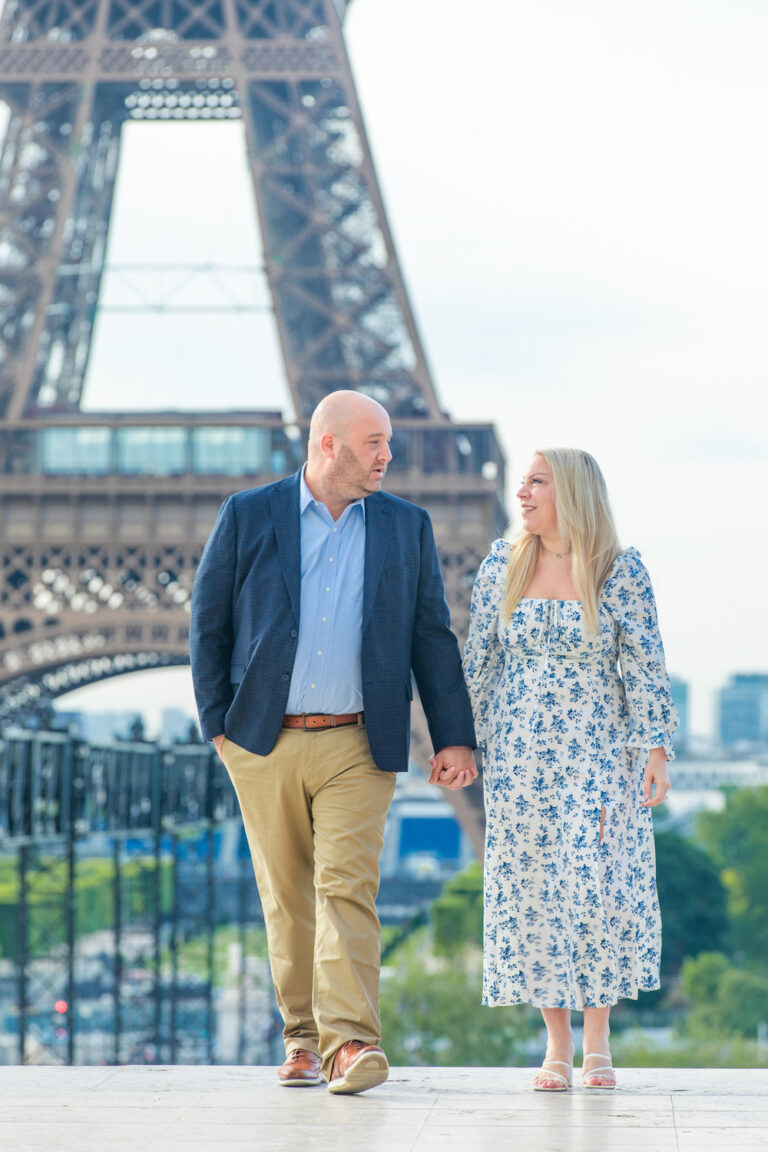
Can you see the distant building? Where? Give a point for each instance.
(698, 774)
(71, 721)
(175, 725)
(680, 698)
(743, 711)
(700, 784)
(97, 727)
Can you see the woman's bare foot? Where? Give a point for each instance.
(597, 1069)
(553, 1076)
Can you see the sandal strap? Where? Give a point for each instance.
(587, 1073)
(545, 1073)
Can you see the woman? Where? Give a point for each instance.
(565, 668)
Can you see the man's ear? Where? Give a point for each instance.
(328, 445)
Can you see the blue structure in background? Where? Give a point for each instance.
(743, 712)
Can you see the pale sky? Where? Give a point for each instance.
(577, 194)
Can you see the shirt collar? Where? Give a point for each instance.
(306, 498)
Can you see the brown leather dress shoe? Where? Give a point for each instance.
(356, 1067)
(300, 1070)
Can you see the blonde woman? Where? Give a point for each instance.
(565, 669)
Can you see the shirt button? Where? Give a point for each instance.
(325, 619)
(330, 559)
(313, 685)
(319, 651)
(327, 589)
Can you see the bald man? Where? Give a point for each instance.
(316, 600)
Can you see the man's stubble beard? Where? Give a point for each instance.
(350, 478)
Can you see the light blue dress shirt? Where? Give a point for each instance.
(326, 672)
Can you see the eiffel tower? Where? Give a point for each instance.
(103, 515)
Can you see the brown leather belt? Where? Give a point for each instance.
(314, 721)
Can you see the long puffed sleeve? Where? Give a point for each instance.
(483, 654)
(628, 595)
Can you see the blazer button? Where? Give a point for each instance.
(286, 676)
(294, 632)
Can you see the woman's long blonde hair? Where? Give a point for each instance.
(585, 524)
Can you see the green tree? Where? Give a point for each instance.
(431, 1012)
(737, 839)
(743, 1001)
(701, 975)
(725, 1000)
(457, 914)
(692, 899)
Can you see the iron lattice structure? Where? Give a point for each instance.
(73, 71)
(98, 550)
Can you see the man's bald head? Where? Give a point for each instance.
(338, 412)
(349, 436)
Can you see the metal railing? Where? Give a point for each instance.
(127, 907)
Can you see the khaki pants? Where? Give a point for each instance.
(314, 811)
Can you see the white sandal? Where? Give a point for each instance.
(553, 1075)
(602, 1071)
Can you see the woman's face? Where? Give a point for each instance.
(537, 498)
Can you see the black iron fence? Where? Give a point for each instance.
(129, 919)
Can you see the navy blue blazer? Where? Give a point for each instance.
(245, 625)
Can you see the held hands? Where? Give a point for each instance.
(453, 767)
(655, 779)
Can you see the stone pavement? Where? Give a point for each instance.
(225, 1109)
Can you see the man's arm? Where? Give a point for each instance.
(437, 668)
(211, 631)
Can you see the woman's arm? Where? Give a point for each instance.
(630, 599)
(483, 655)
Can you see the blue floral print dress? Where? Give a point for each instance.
(565, 719)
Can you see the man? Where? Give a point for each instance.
(315, 599)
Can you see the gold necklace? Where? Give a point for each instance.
(559, 555)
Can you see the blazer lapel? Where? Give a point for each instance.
(284, 501)
(378, 526)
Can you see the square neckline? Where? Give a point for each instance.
(551, 600)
